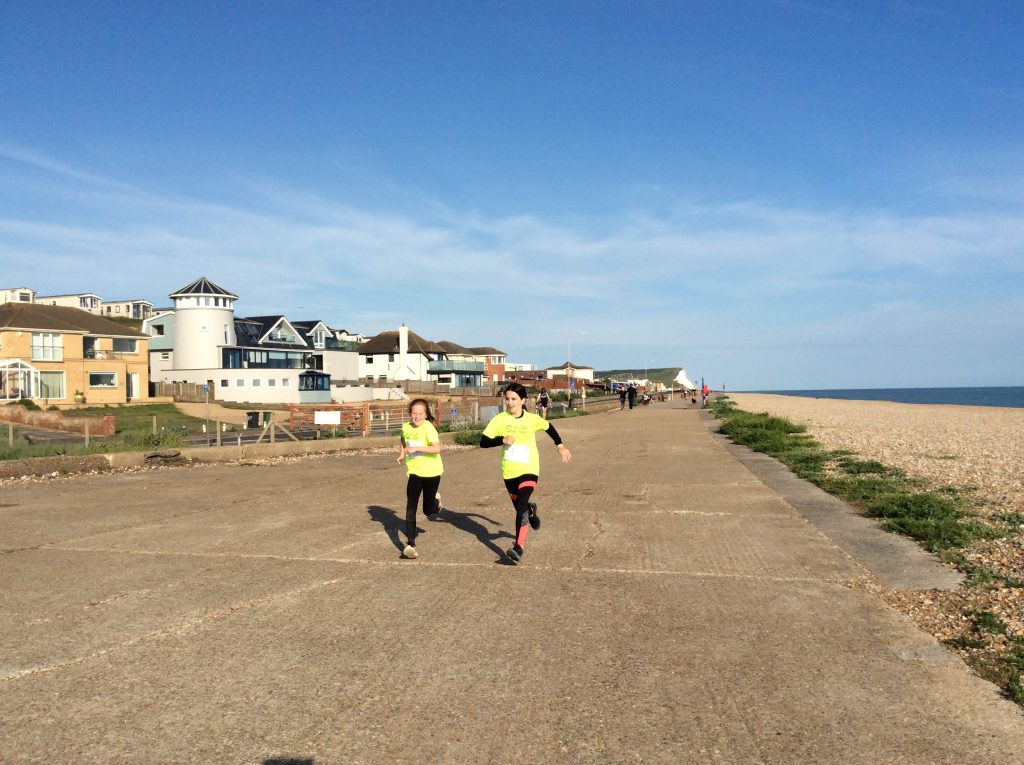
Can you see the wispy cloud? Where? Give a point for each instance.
(748, 267)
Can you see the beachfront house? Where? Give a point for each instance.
(59, 356)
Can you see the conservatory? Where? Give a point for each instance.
(18, 380)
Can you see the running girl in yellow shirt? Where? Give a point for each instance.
(420, 449)
(515, 431)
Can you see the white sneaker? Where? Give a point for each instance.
(410, 552)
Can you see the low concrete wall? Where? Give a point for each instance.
(37, 466)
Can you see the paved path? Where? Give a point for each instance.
(672, 609)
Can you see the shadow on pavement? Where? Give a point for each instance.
(391, 522)
(465, 522)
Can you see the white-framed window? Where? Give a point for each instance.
(103, 379)
(165, 356)
(255, 383)
(369, 359)
(51, 386)
(285, 382)
(239, 383)
(158, 330)
(223, 383)
(47, 346)
(271, 382)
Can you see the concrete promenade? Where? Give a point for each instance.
(675, 607)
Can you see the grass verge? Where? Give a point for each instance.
(942, 520)
(133, 431)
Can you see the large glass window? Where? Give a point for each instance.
(47, 346)
(51, 386)
(314, 382)
(102, 380)
(126, 345)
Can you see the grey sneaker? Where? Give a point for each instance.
(515, 554)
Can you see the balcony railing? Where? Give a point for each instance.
(438, 367)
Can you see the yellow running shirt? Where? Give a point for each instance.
(423, 465)
(520, 458)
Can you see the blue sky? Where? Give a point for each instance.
(787, 194)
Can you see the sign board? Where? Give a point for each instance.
(206, 389)
(327, 418)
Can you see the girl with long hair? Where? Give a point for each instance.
(420, 450)
(515, 431)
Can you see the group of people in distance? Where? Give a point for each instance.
(513, 429)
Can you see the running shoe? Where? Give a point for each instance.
(437, 507)
(534, 518)
(410, 552)
(515, 554)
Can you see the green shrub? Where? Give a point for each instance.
(468, 437)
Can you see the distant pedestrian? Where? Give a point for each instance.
(622, 397)
(543, 403)
(420, 450)
(631, 394)
(515, 431)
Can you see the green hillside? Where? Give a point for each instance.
(664, 374)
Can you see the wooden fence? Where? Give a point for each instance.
(185, 392)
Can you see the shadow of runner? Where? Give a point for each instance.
(392, 522)
(465, 522)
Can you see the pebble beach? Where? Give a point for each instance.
(976, 449)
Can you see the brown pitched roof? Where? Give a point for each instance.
(451, 347)
(387, 342)
(58, 318)
(486, 350)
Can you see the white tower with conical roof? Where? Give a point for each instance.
(204, 322)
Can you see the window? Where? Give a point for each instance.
(271, 382)
(158, 330)
(24, 297)
(239, 383)
(117, 309)
(285, 382)
(126, 345)
(47, 346)
(165, 356)
(102, 380)
(391, 357)
(255, 383)
(51, 385)
(223, 383)
(313, 381)
(369, 359)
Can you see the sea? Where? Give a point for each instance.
(1008, 397)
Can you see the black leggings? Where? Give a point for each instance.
(428, 486)
(520, 489)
